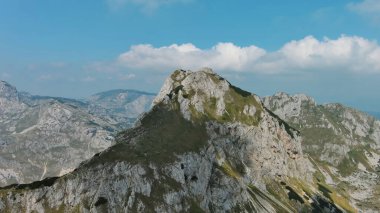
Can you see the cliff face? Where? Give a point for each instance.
(206, 146)
(344, 142)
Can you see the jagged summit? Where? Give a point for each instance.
(9, 99)
(8, 92)
(121, 103)
(286, 105)
(296, 97)
(119, 94)
(204, 94)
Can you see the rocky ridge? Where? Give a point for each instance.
(206, 146)
(343, 142)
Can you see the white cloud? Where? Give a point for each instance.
(58, 64)
(146, 5)
(102, 67)
(5, 76)
(223, 56)
(346, 54)
(368, 8)
(45, 77)
(89, 79)
(126, 77)
(353, 54)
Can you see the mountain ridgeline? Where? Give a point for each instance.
(47, 136)
(343, 142)
(208, 146)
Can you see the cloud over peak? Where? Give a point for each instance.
(223, 56)
(345, 54)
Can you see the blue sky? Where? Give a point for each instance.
(326, 49)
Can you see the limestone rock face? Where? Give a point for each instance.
(46, 136)
(205, 146)
(342, 141)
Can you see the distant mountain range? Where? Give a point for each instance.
(49, 136)
(208, 146)
(121, 106)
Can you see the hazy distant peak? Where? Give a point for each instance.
(8, 92)
(295, 97)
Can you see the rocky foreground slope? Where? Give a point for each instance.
(343, 142)
(206, 146)
(45, 136)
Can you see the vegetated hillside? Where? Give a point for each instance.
(343, 142)
(48, 136)
(206, 146)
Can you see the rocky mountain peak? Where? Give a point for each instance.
(9, 99)
(8, 91)
(205, 94)
(285, 105)
(206, 146)
(121, 106)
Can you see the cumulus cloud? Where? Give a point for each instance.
(89, 79)
(146, 5)
(126, 77)
(5, 76)
(346, 54)
(368, 8)
(223, 56)
(45, 77)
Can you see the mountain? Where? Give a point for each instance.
(343, 142)
(9, 99)
(121, 106)
(205, 146)
(48, 136)
(44, 137)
